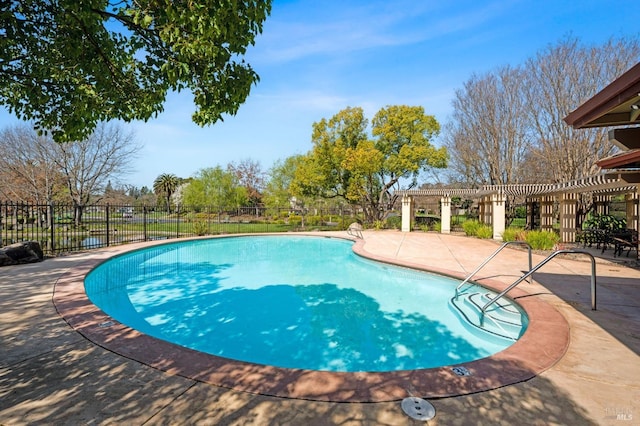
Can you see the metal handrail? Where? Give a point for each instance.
(540, 265)
(497, 324)
(488, 259)
(355, 232)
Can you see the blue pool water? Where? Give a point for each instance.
(292, 302)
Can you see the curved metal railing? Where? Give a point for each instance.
(488, 259)
(540, 265)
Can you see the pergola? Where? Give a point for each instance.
(491, 200)
(618, 104)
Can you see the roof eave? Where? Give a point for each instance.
(592, 112)
(624, 160)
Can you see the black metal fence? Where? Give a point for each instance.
(62, 228)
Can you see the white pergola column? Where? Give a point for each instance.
(498, 202)
(407, 213)
(445, 215)
(568, 207)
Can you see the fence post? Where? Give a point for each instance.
(3, 220)
(107, 218)
(20, 220)
(144, 222)
(52, 222)
(178, 221)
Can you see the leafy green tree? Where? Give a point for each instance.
(278, 193)
(69, 64)
(165, 185)
(345, 163)
(215, 187)
(404, 135)
(142, 197)
(321, 173)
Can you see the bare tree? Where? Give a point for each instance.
(27, 167)
(88, 165)
(487, 137)
(559, 79)
(507, 126)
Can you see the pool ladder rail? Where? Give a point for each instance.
(355, 230)
(501, 325)
(490, 258)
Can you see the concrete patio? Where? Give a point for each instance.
(50, 374)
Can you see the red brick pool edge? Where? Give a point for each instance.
(542, 345)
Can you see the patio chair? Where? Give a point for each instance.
(625, 240)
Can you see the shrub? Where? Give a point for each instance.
(484, 231)
(378, 225)
(295, 220)
(607, 222)
(313, 220)
(470, 227)
(542, 240)
(513, 234)
(343, 225)
(200, 227)
(394, 222)
(473, 228)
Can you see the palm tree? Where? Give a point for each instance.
(166, 185)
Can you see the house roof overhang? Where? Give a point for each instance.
(618, 104)
(626, 138)
(623, 160)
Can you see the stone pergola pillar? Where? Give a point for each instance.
(546, 213)
(407, 213)
(445, 215)
(498, 202)
(568, 208)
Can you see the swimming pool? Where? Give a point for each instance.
(293, 302)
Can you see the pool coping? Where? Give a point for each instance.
(542, 345)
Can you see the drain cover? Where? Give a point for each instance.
(461, 371)
(418, 408)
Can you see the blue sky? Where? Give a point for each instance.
(315, 58)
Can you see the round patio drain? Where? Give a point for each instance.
(418, 408)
